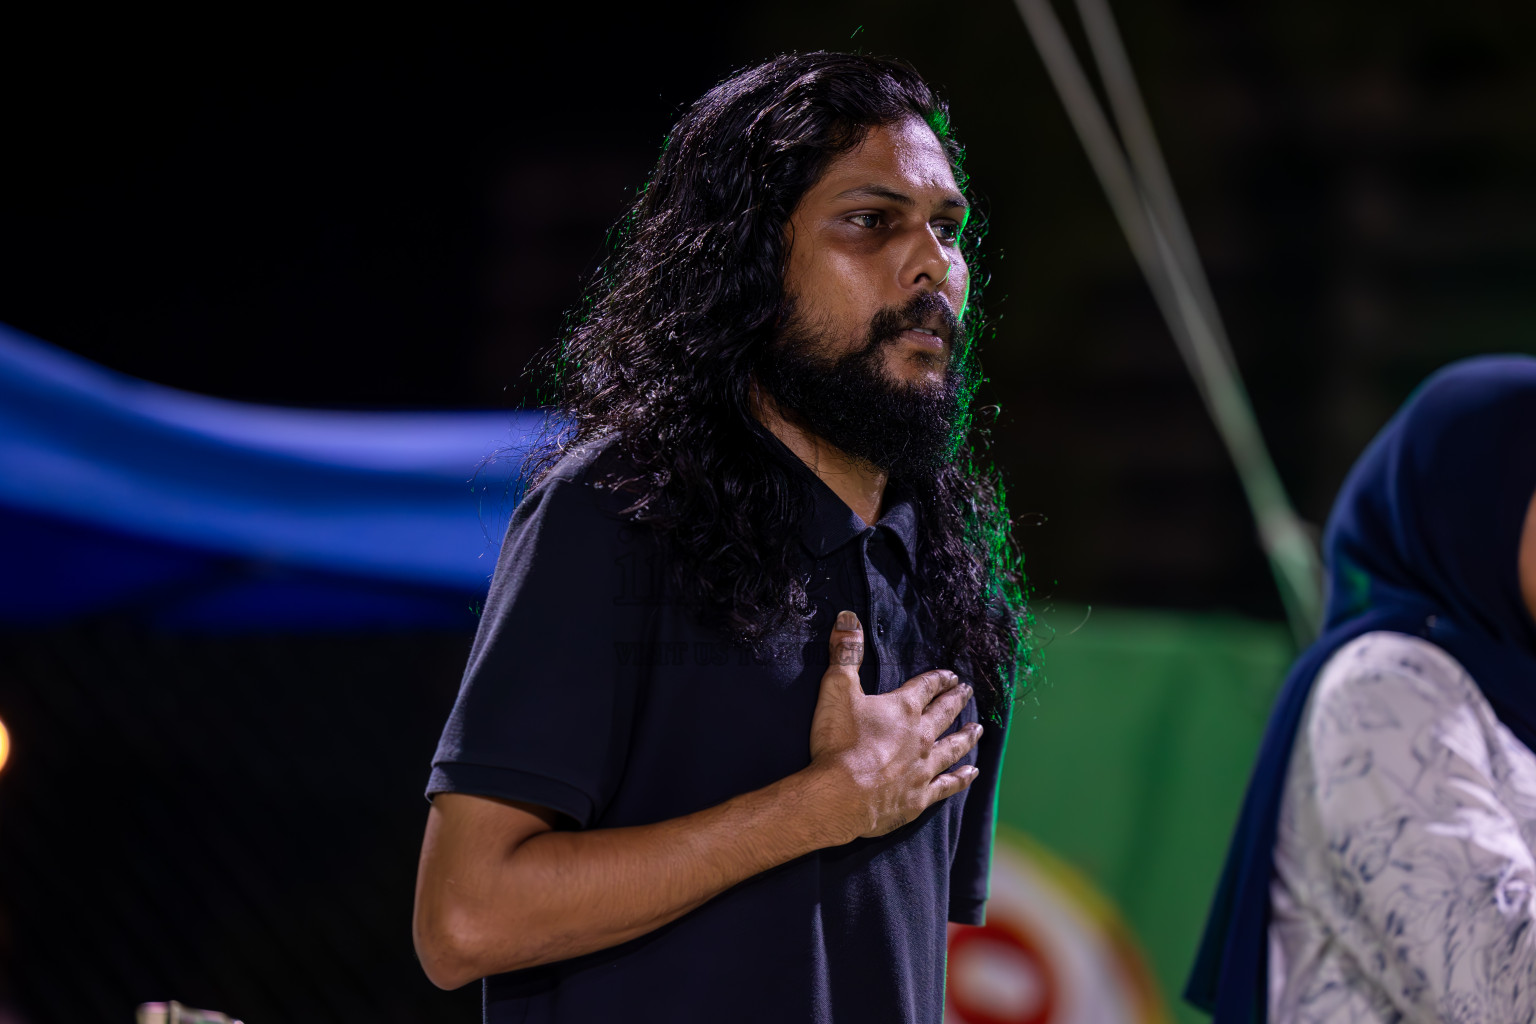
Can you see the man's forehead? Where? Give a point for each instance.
(902, 158)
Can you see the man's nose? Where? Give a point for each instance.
(928, 262)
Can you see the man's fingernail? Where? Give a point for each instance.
(847, 620)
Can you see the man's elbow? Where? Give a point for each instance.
(457, 944)
(455, 948)
(447, 949)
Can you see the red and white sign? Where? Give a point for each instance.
(1053, 951)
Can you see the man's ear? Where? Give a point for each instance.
(757, 398)
(789, 247)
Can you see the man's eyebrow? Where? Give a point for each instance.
(900, 198)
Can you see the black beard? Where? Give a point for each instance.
(852, 404)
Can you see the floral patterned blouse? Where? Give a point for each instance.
(1404, 872)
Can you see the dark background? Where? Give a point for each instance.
(379, 213)
(392, 214)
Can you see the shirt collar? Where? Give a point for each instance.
(831, 523)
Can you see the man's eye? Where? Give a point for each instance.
(872, 219)
(947, 232)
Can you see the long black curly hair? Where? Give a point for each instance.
(660, 359)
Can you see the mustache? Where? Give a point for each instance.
(925, 308)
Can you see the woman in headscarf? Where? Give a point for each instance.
(1382, 867)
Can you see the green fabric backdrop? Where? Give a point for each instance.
(1130, 761)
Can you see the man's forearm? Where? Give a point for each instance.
(560, 894)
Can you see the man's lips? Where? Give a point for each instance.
(923, 340)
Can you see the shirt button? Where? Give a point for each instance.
(880, 626)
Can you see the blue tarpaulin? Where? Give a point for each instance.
(118, 495)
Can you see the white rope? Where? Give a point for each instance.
(1142, 197)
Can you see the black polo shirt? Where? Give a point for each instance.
(590, 693)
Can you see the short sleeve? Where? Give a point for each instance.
(971, 869)
(544, 710)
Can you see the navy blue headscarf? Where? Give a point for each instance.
(1423, 540)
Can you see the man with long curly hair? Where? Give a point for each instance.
(719, 752)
